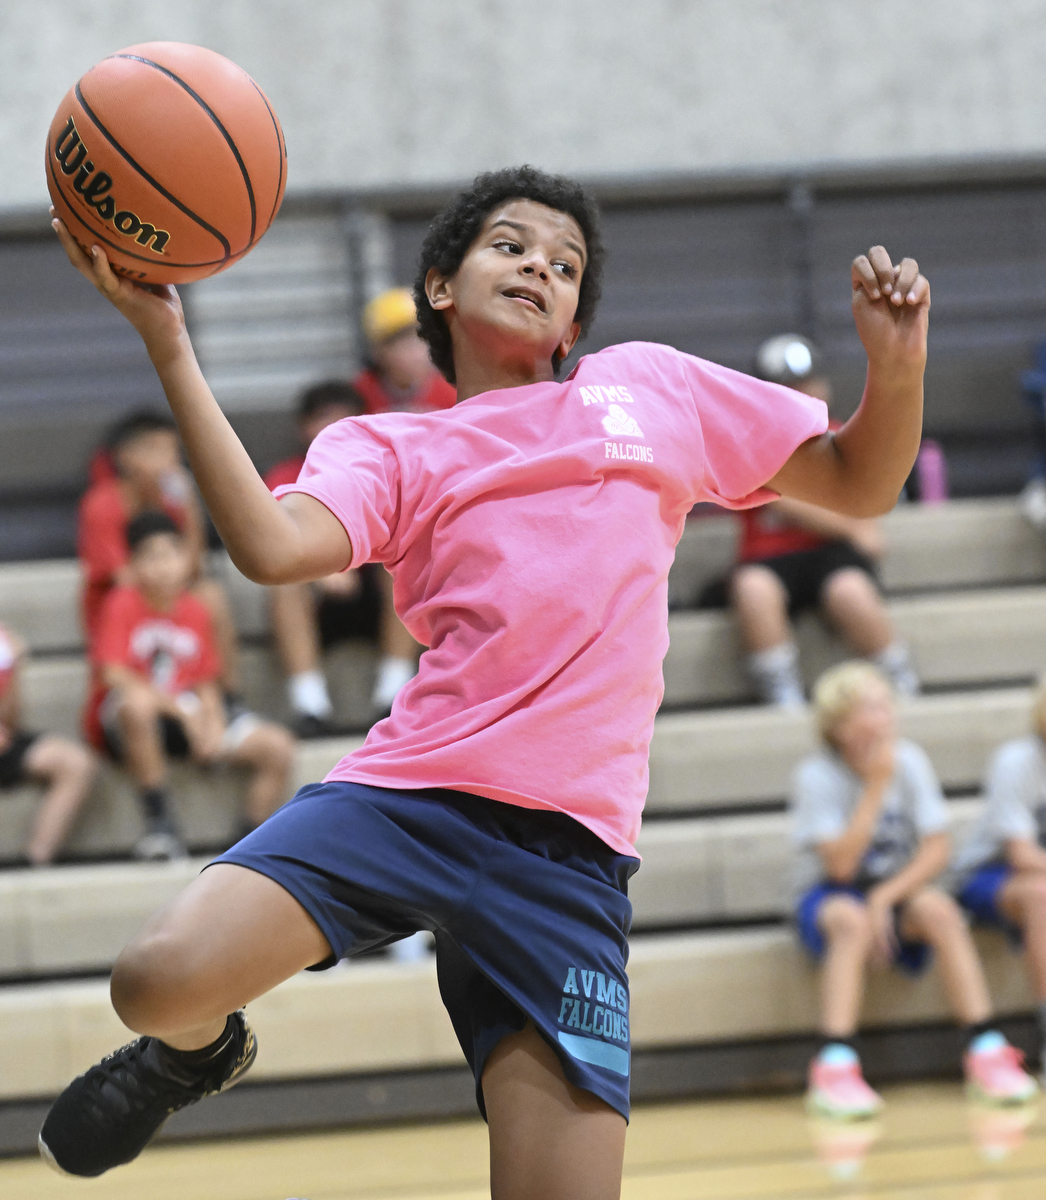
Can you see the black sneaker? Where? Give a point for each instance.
(107, 1116)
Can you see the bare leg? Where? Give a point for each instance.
(231, 936)
(140, 734)
(1022, 900)
(212, 595)
(761, 605)
(294, 630)
(68, 770)
(268, 752)
(932, 916)
(548, 1139)
(844, 922)
(852, 604)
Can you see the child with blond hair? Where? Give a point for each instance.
(870, 828)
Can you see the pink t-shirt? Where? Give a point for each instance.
(529, 532)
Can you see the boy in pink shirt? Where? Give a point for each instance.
(529, 532)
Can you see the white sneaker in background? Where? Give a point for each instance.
(393, 675)
(1032, 503)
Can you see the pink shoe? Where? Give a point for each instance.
(837, 1087)
(993, 1071)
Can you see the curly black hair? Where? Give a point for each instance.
(458, 225)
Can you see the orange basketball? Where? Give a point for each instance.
(171, 158)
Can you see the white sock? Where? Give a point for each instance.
(776, 674)
(393, 674)
(308, 694)
(896, 662)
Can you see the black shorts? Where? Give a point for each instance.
(172, 738)
(12, 761)
(804, 572)
(358, 616)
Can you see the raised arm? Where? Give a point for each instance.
(270, 541)
(861, 469)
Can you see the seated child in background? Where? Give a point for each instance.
(155, 691)
(1001, 870)
(139, 467)
(64, 767)
(870, 828)
(308, 618)
(399, 375)
(794, 556)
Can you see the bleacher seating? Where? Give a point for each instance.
(967, 583)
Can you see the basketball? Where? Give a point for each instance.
(171, 158)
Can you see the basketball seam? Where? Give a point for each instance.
(115, 245)
(146, 176)
(281, 148)
(217, 121)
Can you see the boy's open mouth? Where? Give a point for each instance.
(524, 293)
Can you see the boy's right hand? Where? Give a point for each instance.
(153, 309)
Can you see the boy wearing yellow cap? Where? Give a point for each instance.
(400, 375)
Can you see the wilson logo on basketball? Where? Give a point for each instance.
(94, 186)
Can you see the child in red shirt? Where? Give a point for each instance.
(66, 769)
(140, 468)
(155, 692)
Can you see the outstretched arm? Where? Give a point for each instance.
(270, 541)
(861, 469)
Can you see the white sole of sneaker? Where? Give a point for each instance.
(49, 1158)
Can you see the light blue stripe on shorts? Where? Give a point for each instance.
(600, 1054)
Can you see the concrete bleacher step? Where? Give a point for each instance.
(966, 543)
(77, 918)
(687, 989)
(206, 803)
(723, 759)
(740, 756)
(958, 639)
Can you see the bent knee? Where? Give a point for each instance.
(844, 917)
(150, 980)
(935, 912)
(1030, 890)
(849, 585)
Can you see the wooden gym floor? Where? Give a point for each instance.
(929, 1145)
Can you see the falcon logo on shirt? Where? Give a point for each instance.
(618, 423)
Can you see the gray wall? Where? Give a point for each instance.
(399, 92)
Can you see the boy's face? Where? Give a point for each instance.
(161, 565)
(148, 457)
(871, 721)
(518, 284)
(403, 359)
(315, 423)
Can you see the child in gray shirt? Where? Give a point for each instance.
(1001, 870)
(870, 833)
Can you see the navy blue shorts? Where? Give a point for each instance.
(529, 909)
(979, 895)
(912, 957)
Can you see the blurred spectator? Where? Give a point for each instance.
(155, 693)
(794, 556)
(400, 375)
(308, 618)
(139, 467)
(1001, 869)
(1033, 498)
(66, 769)
(870, 831)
